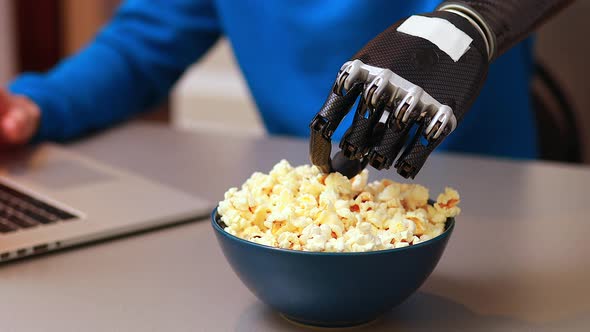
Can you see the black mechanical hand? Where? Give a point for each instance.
(423, 72)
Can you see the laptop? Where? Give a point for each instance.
(52, 198)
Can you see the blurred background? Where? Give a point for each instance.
(35, 34)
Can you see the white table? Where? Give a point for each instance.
(518, 260)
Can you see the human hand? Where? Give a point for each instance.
(19, 119)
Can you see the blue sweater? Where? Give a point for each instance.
(289, 52)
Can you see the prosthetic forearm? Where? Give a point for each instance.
(424, 71)
(508, 21)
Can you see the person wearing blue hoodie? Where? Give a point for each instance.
(289, 52)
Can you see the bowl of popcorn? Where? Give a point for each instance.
(325, 250)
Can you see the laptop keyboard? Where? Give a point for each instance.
(19, 211)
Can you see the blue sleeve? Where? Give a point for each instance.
(130, 66)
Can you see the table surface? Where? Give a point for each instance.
(518, 259)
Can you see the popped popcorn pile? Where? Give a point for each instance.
(301, 208)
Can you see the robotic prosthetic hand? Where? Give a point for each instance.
(423, 72)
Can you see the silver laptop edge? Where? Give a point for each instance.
(107, 202)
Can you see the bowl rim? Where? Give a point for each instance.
(449, 226)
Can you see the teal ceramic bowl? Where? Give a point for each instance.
(331, 289)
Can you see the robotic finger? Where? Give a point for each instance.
(323, 125)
